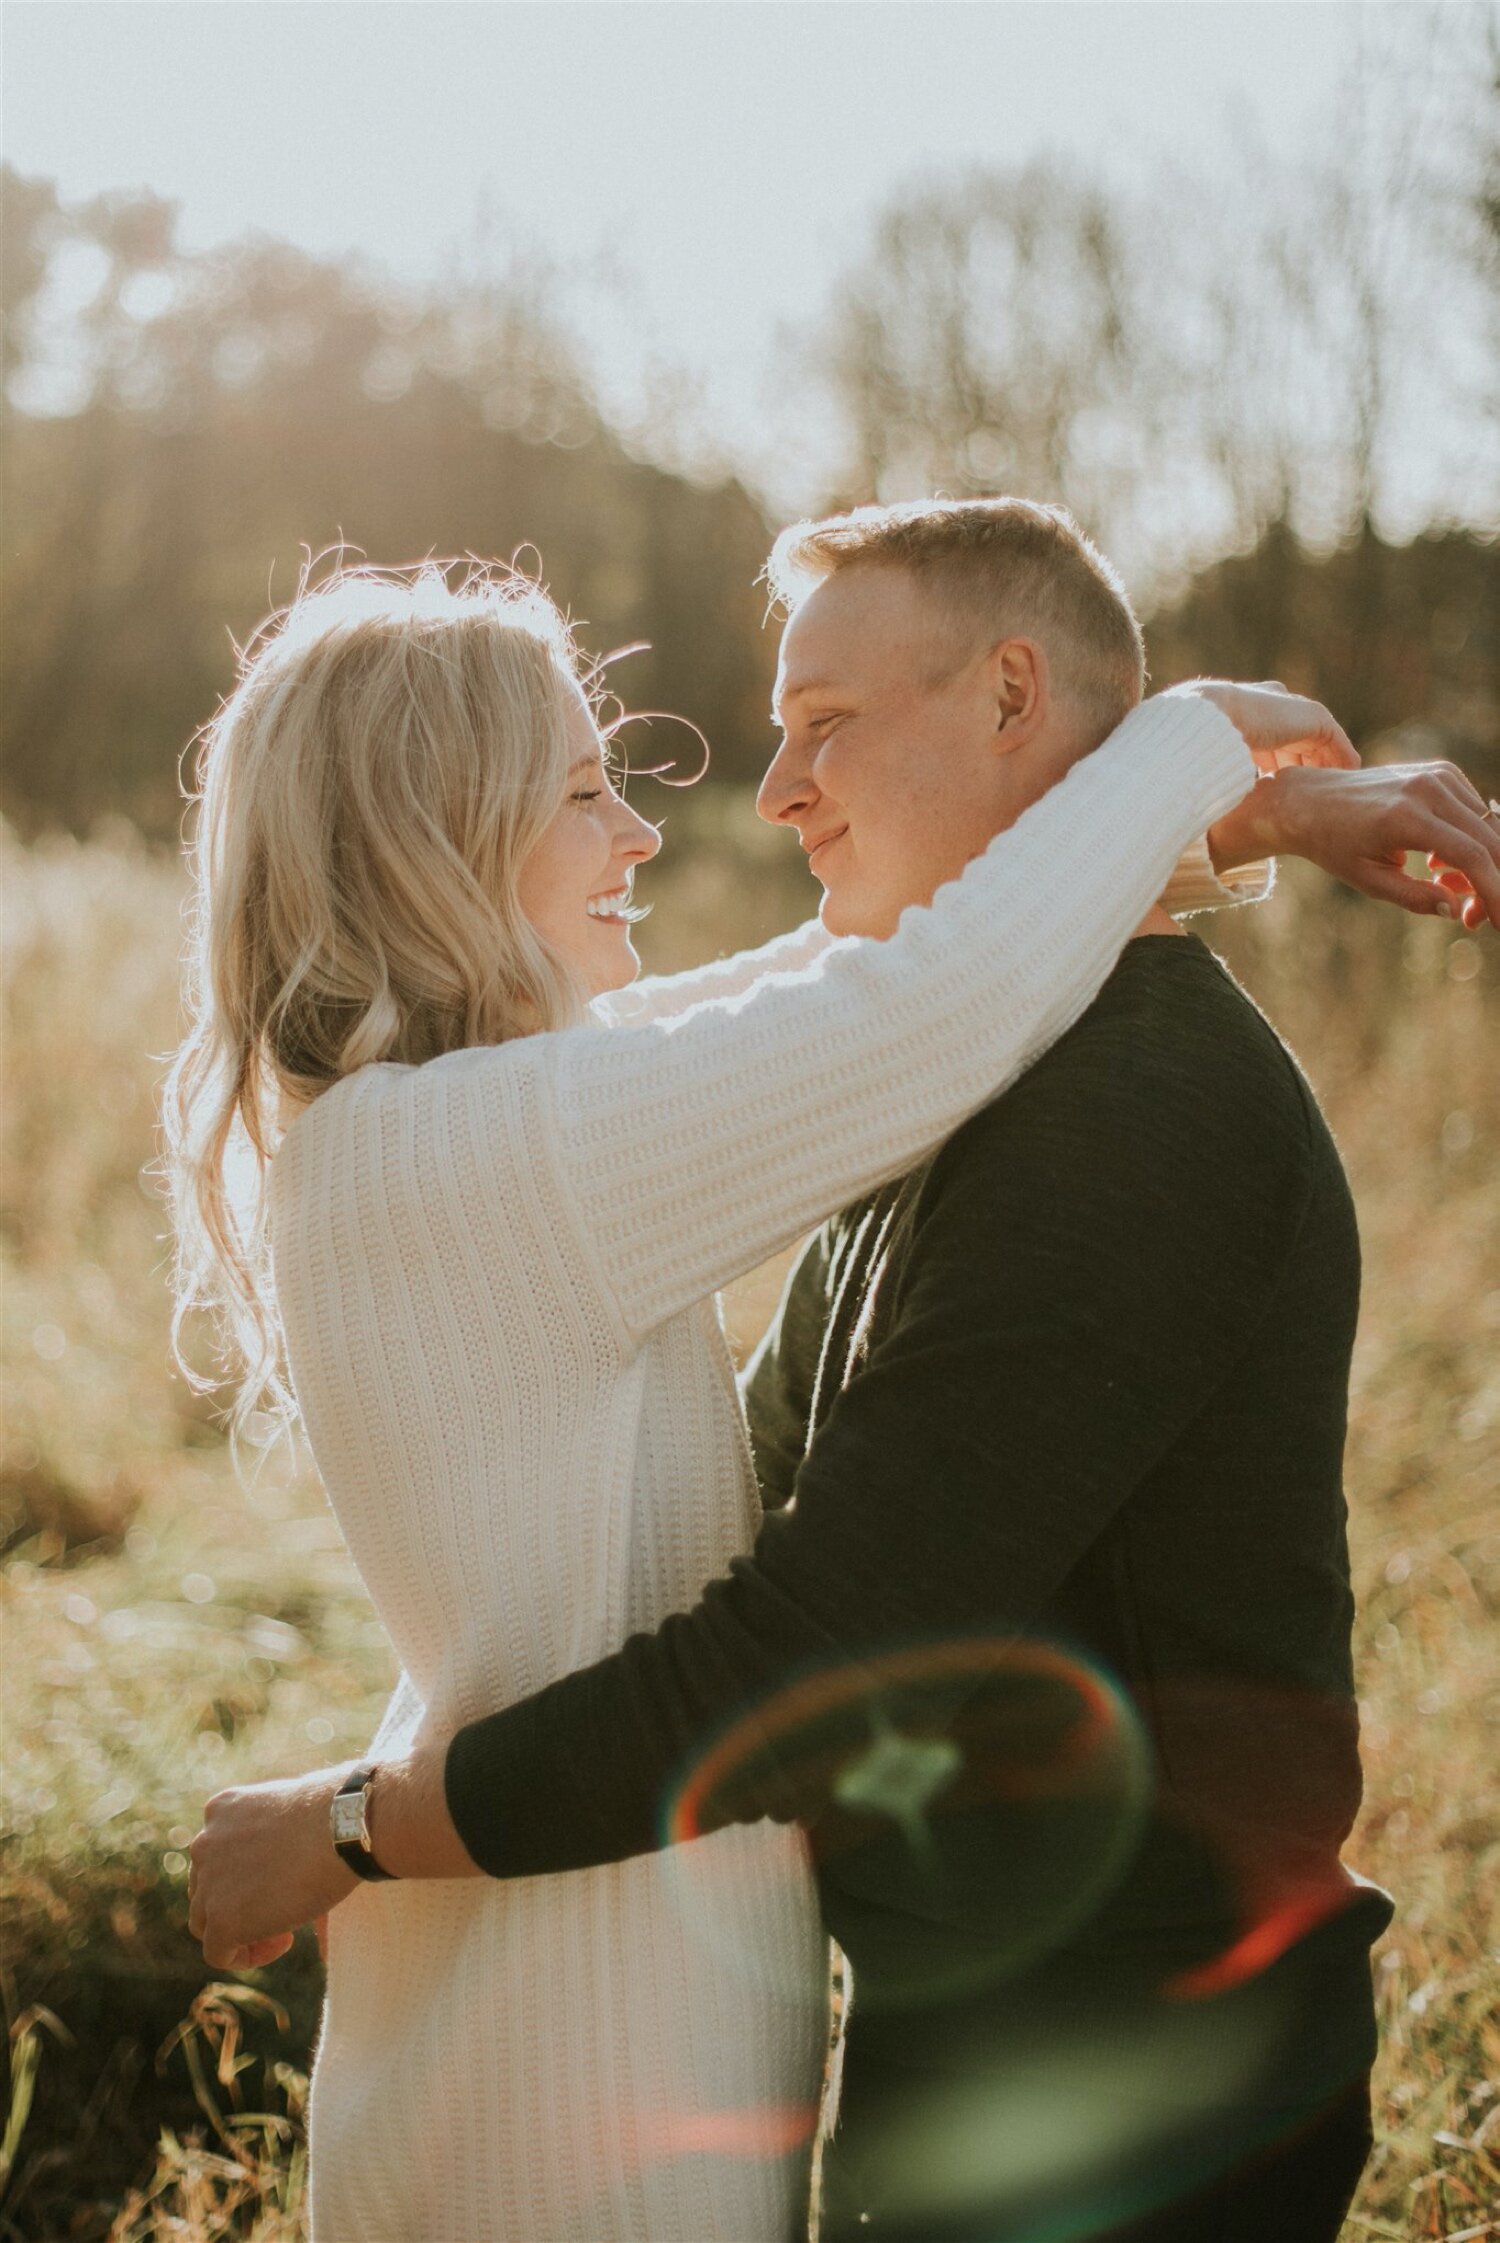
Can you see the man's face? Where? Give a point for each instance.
(892, 781)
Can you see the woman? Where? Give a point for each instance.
(496, 1194)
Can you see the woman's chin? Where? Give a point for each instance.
(616, 968)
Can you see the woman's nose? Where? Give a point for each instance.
(640, 840)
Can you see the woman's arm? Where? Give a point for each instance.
(685, 1152)
(1353, 824)
(1199, 884)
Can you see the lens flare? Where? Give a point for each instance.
(1056, 2135)
(976, 1798)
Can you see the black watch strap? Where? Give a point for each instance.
(351, 1827)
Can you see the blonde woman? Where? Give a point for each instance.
(497, 1188)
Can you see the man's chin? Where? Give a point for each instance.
(832, 913)
(843, 914)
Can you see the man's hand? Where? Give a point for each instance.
(1361, 825)
(262, 1865)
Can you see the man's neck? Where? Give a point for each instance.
(1158, 922)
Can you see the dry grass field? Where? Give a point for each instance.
(167, 1629)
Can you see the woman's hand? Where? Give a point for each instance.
(262, 1865)
(1361, 826)
(1282, 730)
(264, 1862)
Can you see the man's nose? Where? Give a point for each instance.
(787, 788)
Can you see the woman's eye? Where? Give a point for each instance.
(588, 794)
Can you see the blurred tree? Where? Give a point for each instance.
(1400, 640)
(1289, 363)
(1189, 364)
(186, 430)
(993, 338)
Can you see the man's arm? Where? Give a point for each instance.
(1059, 1330)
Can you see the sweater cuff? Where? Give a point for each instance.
(1196, 886)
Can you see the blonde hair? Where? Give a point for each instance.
(392, 750)
(996, 566)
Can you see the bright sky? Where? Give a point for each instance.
(720, 155)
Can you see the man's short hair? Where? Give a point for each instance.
(997, 568)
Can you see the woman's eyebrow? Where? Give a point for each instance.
(584, 763)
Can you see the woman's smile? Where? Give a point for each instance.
(614, 908)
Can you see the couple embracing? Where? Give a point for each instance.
(1010, 1647)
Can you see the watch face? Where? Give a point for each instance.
(349, 1819)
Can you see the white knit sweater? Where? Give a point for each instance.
(496, 1277)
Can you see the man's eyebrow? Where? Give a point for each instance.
(793, 692)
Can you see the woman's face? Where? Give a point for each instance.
(575, 886)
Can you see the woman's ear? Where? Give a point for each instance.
(1019, 689)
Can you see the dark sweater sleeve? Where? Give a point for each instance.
(1093, 1253)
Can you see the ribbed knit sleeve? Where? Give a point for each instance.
(686, 1151)
(658, 996)
(1196, 885)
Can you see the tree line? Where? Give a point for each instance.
(1230, 396)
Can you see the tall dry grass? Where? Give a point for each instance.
(167, 1629)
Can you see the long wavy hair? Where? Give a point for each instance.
(393, 749)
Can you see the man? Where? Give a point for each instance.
(1045, 1638)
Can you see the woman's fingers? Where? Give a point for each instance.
(1468, 847)
(1280, 729)
(1324, 744)
(1389, 885)
(226, 1955)
(1359, 822)
(1460, 888)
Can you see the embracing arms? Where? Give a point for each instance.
(1027, 1398)
(264, 1862)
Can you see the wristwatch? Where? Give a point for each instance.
(351, 1824)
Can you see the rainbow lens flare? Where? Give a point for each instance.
(976, 1796)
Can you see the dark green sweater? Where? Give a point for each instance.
(1046, 1634)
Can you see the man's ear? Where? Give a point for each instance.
(1020, 691)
